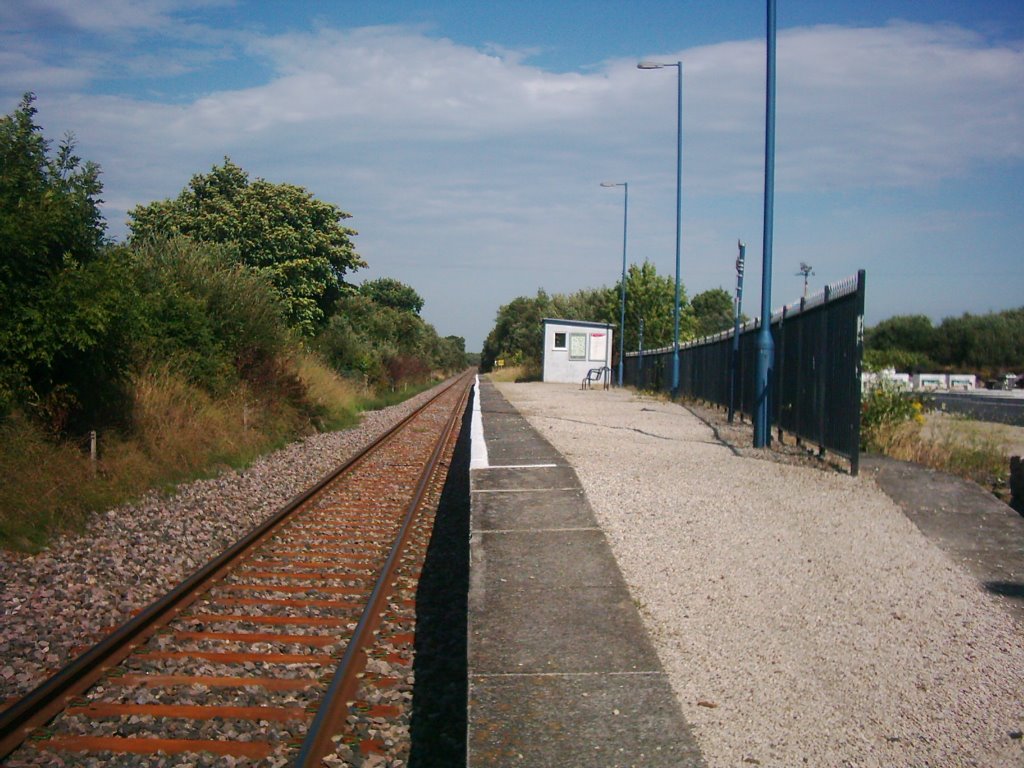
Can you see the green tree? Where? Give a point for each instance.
(712, 312)
(280, 230)
(910, 333)
(67, 313)
(517, 334)
(207, 316)
(650, 297)
(388, 292)
(597, 305)
(49, 207)
(990, 343)
(987, 344)
(518, 330)
(387, 344)
(450, 353)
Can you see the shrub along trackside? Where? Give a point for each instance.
(222, 329)
(894, 423)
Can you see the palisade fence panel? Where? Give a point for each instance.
(816, 382)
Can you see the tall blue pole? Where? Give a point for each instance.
(622, 303)
(679, 207)
(679, 215)
(765, 345)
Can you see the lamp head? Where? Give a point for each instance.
(649, 65)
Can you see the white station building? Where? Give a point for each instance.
(572, 348)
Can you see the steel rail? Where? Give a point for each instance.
(344, 683)
(50, 697)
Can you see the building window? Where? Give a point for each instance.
(577, 346)
(559, 341)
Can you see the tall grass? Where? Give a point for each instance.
(178, 432)
(46, 486)
(956, 448)
(336, 400)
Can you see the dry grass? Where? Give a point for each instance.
(179, 432)
(948, 427)
(43, 483)
(336, 398)
(962, 447)
(515, 373)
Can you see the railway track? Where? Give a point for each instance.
(293, 646)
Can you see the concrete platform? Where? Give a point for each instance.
(975, 528)
(561, 670)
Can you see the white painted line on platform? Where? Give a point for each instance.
(523, 490)
(477, 444)
(624, 673)
(534, 530)
(522, 466)
(478, 458)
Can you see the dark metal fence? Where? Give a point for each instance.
(815, 389)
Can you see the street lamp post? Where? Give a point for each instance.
(765, 346)
(622, 302)
(679, 204)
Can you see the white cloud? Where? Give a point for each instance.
(902, 105)
(98, 16)
(22, 69)
(899, 105)
(454, 158)
(403, 84)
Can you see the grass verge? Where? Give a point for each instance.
(179, 433)
(961, 447)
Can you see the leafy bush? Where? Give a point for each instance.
(383, 344)
(898, 359)
(212, 319)
(884, 407)
(184, 354)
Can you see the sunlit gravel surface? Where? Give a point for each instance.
(802, 618)
(59, 602)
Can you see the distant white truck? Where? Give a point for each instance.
(964, 381)
(871, 379)
(930, 381)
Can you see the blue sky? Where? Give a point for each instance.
(468, 139)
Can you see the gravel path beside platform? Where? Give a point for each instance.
(802, 618)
